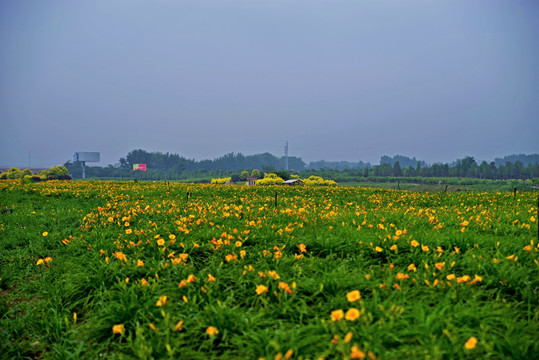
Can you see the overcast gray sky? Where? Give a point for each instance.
(342, 80)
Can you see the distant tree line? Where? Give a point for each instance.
(466, 167)
(175, 167)
(231, 161)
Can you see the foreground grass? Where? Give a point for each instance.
(245, 279)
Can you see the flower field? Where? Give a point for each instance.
(168, 270)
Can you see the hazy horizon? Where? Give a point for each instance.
(373, 163)
(341, 80)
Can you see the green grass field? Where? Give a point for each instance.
(153, 270)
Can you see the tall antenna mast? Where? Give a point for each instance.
(286, 156)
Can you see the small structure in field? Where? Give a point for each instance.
(292, 182)
(251, 181)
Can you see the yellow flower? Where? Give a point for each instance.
(414, 243)
(161, 242)
(230, 257)
(120, 256)
(302, 248)
(439, 266)
(471, 343)
(337, 315)
(401, 276)
(45, 233)
(424, 248)
(412, 267)
(464, 278)
(118, 329)
(352, 314)
(289, 354)
(378, 249)
(172, 236)
(260, 289)
(162, 301)
(40, 262)
(476, 279)
(128, 231)
(284, 286)
(356, 353)
(243, 253)
(211, 278)
(212, 331)
(178, 326)
(353, 295)
(393, 247)
(152, 326)
(450, 276)
(184, 256)
(144, 282)
(348, 337)
(191, 278)
(140, 263)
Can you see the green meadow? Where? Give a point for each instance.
(155, 270)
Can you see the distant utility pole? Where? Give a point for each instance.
(286, 156)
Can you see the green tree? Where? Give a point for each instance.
(466, 167)
(14, 173)
(255, 173)
(244, 175)
(285, 175)
(397, 171)
(58, 173)
(235, 178)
